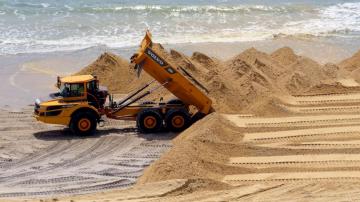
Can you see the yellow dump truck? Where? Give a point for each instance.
(81, 102)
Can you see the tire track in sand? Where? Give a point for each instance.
(324, 134)
(298, 161)
(293, 176)
(294, 121)
(280, 136)
(322, 110)
(318, 145)
(329, 99)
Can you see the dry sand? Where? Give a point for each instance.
(250, 82)
(239, 158)
(352, 63)
(299, 140)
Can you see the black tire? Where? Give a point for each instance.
(197, 117)
(180, 115)
(149, 121)
(86, 119)
(175, 102)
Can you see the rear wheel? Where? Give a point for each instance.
(83, 123)
(177, 120)
(149, 121)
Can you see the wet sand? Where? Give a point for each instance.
(28, 76)
(237, 157)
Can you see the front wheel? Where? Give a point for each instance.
(83, 123)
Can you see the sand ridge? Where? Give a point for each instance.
(250, 82)
(299, 141)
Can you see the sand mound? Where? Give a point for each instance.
(262, 62)
(284, 70)
(356, 75)
(331, 70)
(248, 83)
(252, 80)
(204, 60)
(351, 63)
(285, 56)
(236, 85)
(233, 86)
(112, 71)
(302, 73)
(116, 74)
(195, 153)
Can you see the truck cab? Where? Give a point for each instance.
(78, 103)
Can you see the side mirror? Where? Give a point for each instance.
(58, 83)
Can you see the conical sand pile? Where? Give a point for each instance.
(247, 83)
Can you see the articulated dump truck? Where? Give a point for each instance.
(81, 102)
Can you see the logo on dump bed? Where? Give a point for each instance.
(155, 57)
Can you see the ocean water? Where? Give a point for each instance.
(28, 26)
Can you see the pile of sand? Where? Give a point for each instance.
(248, 79)
(112, 71)
(235, 85)
(285, 56)
(197, 152)
(302, 73)
(247, 83)
(352, 63)
(115, 73)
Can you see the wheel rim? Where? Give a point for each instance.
(178, 121)
(84, 124)
(150, 122)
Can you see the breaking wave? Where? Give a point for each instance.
(43, 27)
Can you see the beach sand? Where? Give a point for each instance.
(285, 128)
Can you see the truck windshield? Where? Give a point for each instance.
(72, 89)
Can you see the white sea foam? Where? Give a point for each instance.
(45, 5)
(204, 8)
(70, 27)
(139, 7)
(339, 20)
(68, 7)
